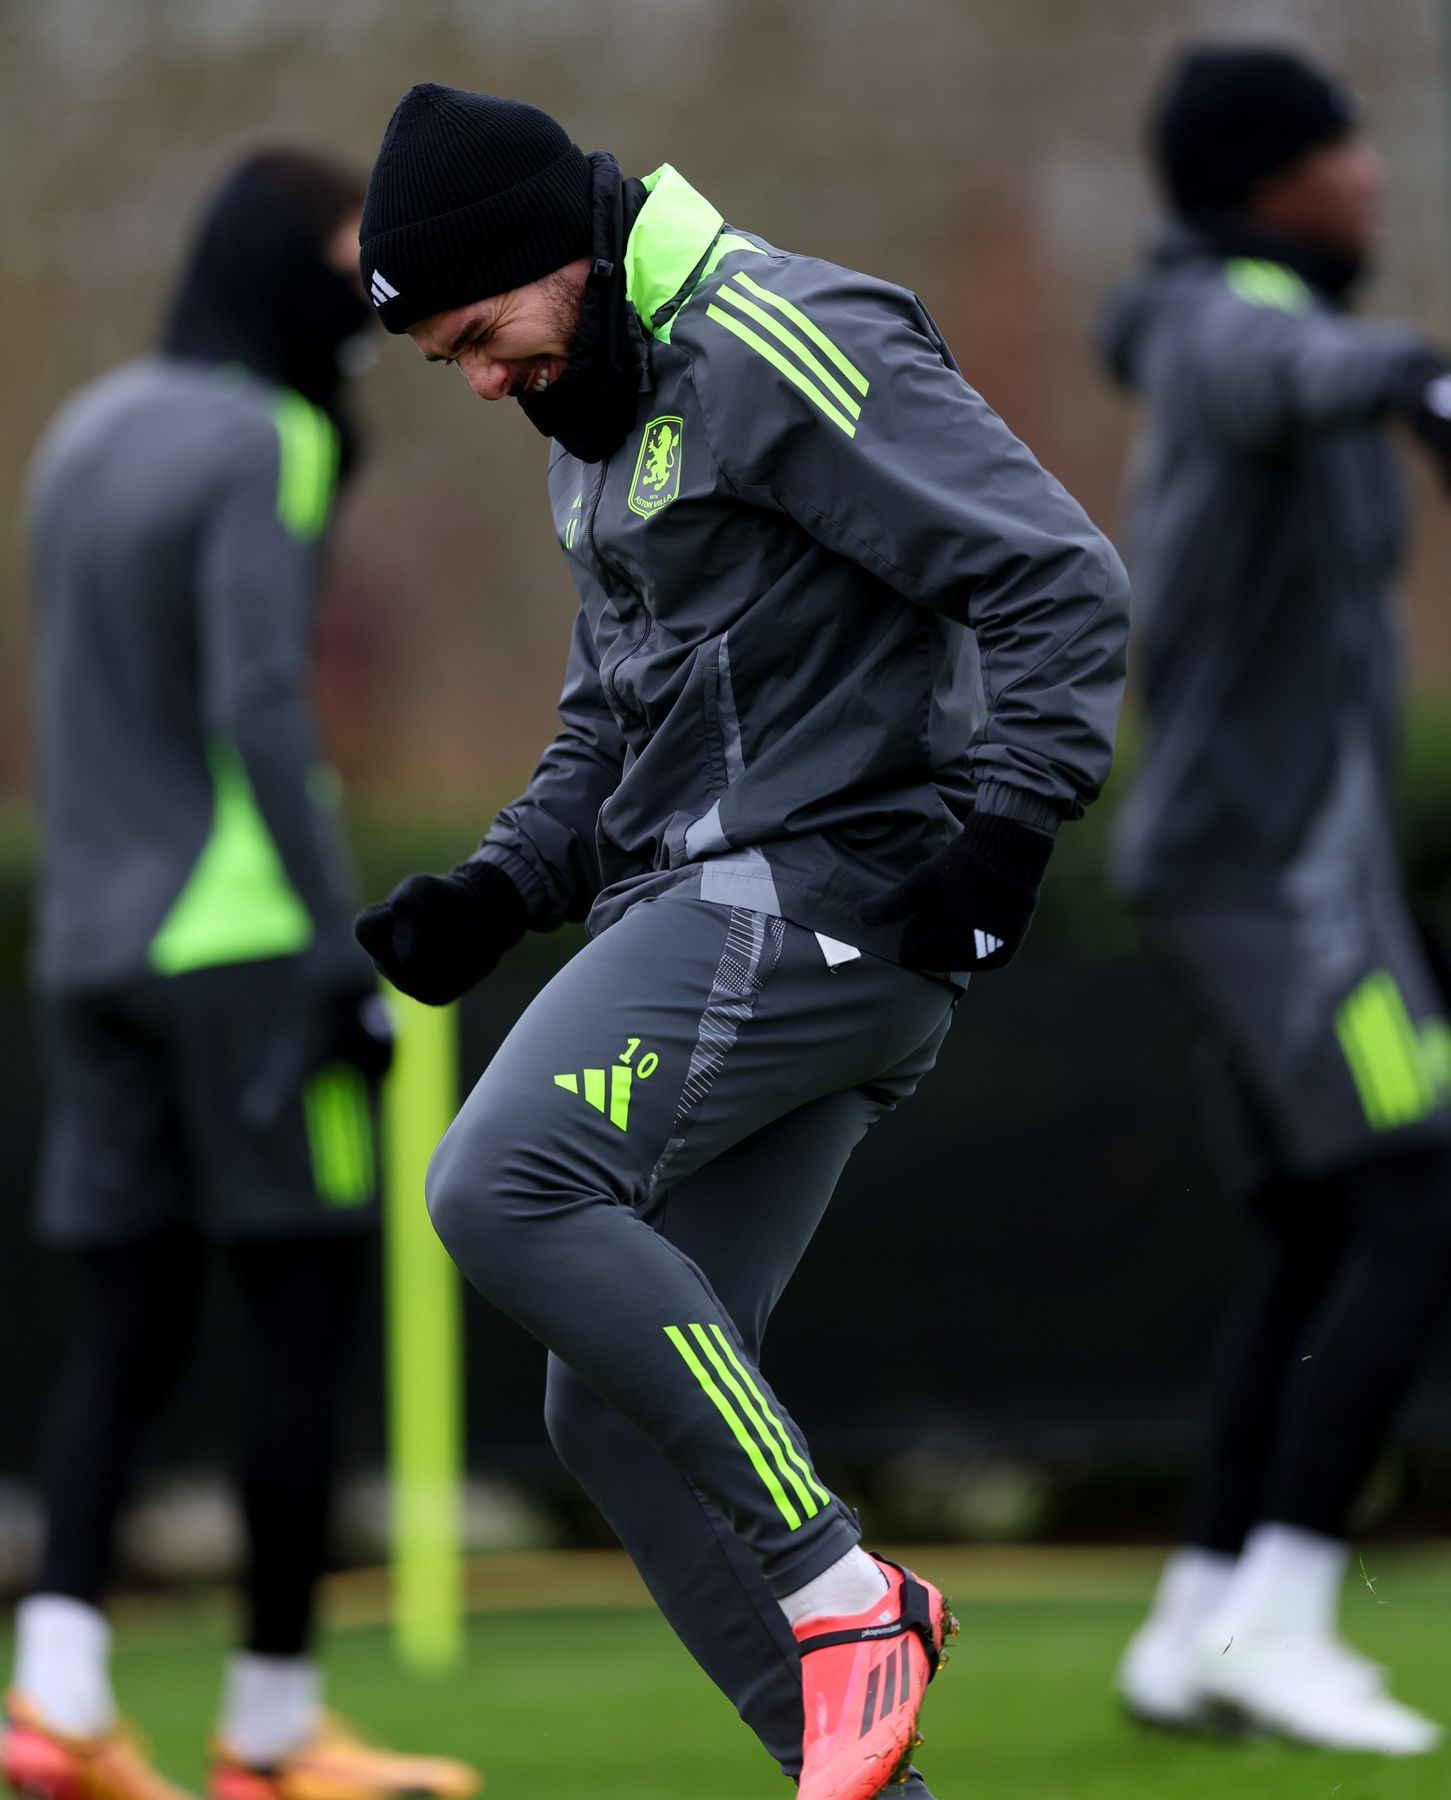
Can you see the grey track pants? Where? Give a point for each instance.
(634, 1179)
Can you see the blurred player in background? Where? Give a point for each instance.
(846, 656)
(212, 1035)
(1267, 528)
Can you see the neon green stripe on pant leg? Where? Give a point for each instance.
(1360, 1058)
(333, 1161)
(1396, 1082)
(1420, 1088)
(1382, 1055)
(355, 1117)
(339, 1106)
(1436, 1049)
(785, 1436)
(424, 1344)
(317, 1108)
(738, 1431)
(754, 1421)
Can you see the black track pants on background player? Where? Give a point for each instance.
(644, 1228)
(1350, 1286)
(135, 1321)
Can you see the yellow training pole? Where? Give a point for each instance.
(424, 1344)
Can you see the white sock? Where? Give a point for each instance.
(63, 1663)
(1287, 1585)
(850, 1585)
(270, 1705)
(1192, 1586)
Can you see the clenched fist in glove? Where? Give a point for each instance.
(970, 906)
(436, 935)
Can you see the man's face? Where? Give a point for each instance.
(514, 343)
(1330, 198)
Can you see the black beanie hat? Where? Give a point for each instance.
(470, 196)
(1230, 115)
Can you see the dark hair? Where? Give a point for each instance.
(324, 190)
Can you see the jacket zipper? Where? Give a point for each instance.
(618, 576)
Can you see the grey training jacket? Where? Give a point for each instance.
(829, 603)
(175, 515)
(1265, 529)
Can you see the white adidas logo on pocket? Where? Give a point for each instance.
(987, 944)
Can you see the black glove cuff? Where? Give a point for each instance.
(493, 890)
(1013, 852)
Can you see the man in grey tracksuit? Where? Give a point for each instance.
(212, 1034)
(1266, 531)
(845, 658)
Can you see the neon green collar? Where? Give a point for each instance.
(671, 238)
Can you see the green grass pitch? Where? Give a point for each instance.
(595, 1701)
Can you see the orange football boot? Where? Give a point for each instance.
(336, 1764)
(863, 1678)
(42, 1763)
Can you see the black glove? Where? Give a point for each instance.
(970, 906)
(436, 935)
(1422, 396)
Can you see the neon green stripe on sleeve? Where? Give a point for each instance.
(812, 330)
(307, 468)
(779, 362)
(792, 343)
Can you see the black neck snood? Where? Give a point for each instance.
(1332, 273)
(590, 409)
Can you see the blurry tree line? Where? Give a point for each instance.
(983, 152)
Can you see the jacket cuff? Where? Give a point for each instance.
(530, 888)
(1004, 802)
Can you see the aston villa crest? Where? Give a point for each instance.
(657, 473)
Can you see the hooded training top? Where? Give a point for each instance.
(175, 516)
(1266, 526)
(829, 603)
